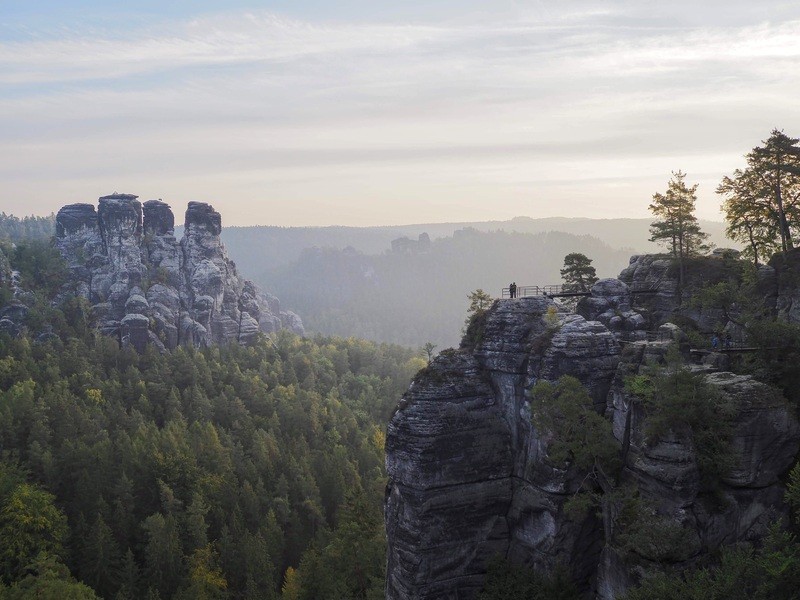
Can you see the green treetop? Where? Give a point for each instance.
(676, 226)
(578, 273)
(762, 202)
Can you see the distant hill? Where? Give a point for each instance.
(347, 281)
(263, 248)
(417, 296)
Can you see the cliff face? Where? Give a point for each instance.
(470, 476)
(147, 287)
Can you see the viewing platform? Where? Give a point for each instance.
(566, 291)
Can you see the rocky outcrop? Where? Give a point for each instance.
(654, 271)
(470, 476)
(611, 303)
(146, 287)
(15, 306)
(775, 284)
(669, 299)
(781, 277)
(666, 471)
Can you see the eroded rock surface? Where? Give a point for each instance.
(666, 472)
(470, 477)
(145, 286)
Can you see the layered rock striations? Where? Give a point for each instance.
(145, 286)
(470, 477)
(468, 472)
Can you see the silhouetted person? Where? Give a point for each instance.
(513, 289)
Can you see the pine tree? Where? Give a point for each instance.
(30, 525)
(129, 577)
(163, 553)
(762, 202)
(676, 226)
(206, 581)
(749, 217)
(578, 273)
(100, 560)
(478, 301)
(291, 585)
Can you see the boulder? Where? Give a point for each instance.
(73, 218)
(134, 331)
(158, 218)
(610, 303)
(137, 303)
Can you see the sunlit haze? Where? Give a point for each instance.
(365, 113)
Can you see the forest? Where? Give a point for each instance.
(227, 472)
(197, 474)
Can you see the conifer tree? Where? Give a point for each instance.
(749, 218)
(291, 585)
(30, 525)
(762, 202)
(578, 273)
(100, 564)
(676, 226)
(478, 301)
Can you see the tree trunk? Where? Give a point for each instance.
(786, 236)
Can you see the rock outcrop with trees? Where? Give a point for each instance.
(582, 442)
(144, 286)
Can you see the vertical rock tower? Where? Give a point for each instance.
(147, 287)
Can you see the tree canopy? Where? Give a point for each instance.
(762, 201)
(676, 226)
(196, 474)
(578, 273)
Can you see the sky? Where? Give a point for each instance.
(364, 112)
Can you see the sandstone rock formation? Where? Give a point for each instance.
(147, 287)
(611, 304)
(776, 284)
(765, 442)
(470, 477)
(671, 300)
(468, 473)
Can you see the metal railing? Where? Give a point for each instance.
(544, 290)
(561, 290)
(522, 291)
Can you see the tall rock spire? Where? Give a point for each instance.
(146, 287)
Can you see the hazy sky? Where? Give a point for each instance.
(365, 112)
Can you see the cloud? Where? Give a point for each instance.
(556, 93)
